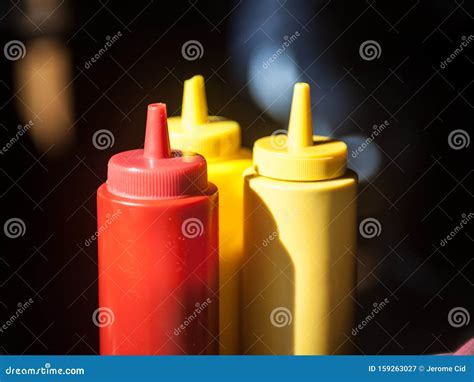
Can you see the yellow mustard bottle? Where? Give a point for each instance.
(219, 141)
(300, 239)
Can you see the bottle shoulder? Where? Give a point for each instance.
(103, 193)
(235, 164)
(349, 179)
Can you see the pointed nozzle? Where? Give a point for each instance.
(300, 127)
(194, 108)
(157, 142)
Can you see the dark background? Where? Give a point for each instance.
(412, 181)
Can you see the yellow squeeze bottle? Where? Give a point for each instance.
(300, 239)
(218, 140)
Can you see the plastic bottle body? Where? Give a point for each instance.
(218, 139)
(158, 274)
(299, 270)
(227, 176)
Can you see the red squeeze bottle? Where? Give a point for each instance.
(158, 250)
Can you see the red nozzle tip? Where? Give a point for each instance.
(157, 141)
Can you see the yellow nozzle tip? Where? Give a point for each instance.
(300, 127)
(209, 135)
(300, 156)
(301, 86)
(194, 108)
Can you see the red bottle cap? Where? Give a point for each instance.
(156, 171)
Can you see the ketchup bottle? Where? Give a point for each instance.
(158, 250)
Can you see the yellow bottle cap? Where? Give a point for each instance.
(300, 156)
(196, 131)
